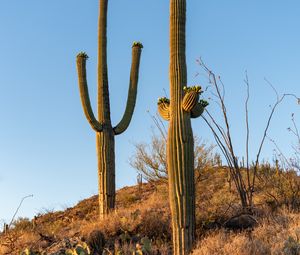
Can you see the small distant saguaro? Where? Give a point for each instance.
(105, 132)
(183, 105)
(5, 228)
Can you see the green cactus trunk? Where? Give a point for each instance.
(180, 142)
(105, 133)
(105, 142)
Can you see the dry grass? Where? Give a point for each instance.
(144, 212)
(269, 237)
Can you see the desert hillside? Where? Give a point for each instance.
(141, 222)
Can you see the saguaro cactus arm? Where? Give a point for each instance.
(131, 99)
(163, 107)
(198, 109)
(105, 136)
(84, 93)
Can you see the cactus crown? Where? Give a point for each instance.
(163, 100)
(197, 89)
(82, 55)
(80, 249)
(137, 44)
(203, 103)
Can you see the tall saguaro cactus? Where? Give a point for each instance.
(182, 106)
(105, 132)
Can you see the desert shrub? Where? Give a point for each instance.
(96, 242)
(155, 224)
(150, 160)
(22, 224)
(128, 199)
(280, 186)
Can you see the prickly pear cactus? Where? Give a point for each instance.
(80, 249)
(27, 251)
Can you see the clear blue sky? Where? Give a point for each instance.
(47, 147)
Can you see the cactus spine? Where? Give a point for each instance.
(105, 132)
(183, 106)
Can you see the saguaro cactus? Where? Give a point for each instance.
(105, 132)
(183, 106)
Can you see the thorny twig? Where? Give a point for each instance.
(12, 220)
(224, 139)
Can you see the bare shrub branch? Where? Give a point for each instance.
(223, 136)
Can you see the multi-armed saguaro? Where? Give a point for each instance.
(182, 106)
(105, 132)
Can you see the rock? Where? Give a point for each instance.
(60, 246)
(240, 222)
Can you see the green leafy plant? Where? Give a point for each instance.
(80, 249)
